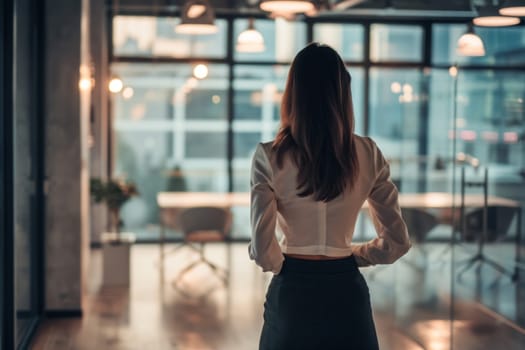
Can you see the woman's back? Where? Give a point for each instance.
(309, 227)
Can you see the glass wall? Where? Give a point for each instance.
(20, 167)
(177, 131)
(6, 272)
(25, 174)
(170, 133)
(489, 136)
(395, 110)
(432, 115)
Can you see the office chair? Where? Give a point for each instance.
(419, 224)
(202, 225)
(498, 221)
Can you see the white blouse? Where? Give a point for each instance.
(283, 222)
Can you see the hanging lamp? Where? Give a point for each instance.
(513, 8)
(488, 15)
(470, 44)
(250, 40)
(197, 18)
(286, 6)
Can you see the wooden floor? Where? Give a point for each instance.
(411, 306)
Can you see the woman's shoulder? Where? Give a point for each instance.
(368, 150)
(264, 149)
(267, 146)
(366, 143)
(263, 152)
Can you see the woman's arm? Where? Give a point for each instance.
(263, 248)
(392, 240)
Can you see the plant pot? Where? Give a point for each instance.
(116, 255)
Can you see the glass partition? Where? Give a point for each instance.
(25, 155)
(484, 169)
(395, 116)
(170, 135)
(177, 133)
(257, 94)
(489, 136)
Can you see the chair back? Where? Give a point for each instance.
(419, 222)
(499, 219)
(197, 219)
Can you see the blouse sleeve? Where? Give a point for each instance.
(263, 248)
(392, 240)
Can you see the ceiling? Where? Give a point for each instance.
(338, 8)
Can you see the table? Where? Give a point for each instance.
(166, 200)
(430, 200)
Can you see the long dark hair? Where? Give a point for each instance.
(317, 124)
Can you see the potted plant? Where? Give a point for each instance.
(114, 193)
(116, 244)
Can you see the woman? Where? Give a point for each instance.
(308, 186)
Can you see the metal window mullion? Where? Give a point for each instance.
(7, 279)
(179, 125)
(366, 78)
(230, 106)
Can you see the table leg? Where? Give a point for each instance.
(518, 261)
(162, 238)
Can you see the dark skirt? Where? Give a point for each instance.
(321, 305)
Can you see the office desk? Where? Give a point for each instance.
(431, 200)
(174, 201)
(167, 200)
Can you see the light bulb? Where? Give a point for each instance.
(127, 93)
(115, 85)
(200, 71)
(85, 84)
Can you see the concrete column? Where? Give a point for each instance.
(99, 112)
(67, 201)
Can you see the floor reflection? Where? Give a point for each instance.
(411, 302)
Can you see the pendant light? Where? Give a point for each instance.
(470, 44)
(286, 6)
(197, 18)
(250, 40)
(489, 16)
(513, 8)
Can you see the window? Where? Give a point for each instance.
(358, 97)
(503, 46)
(146, 36)
(170, 134)
(283, 39)
(257, 97)
(346, 39)
(395, 101)
(396, 43)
